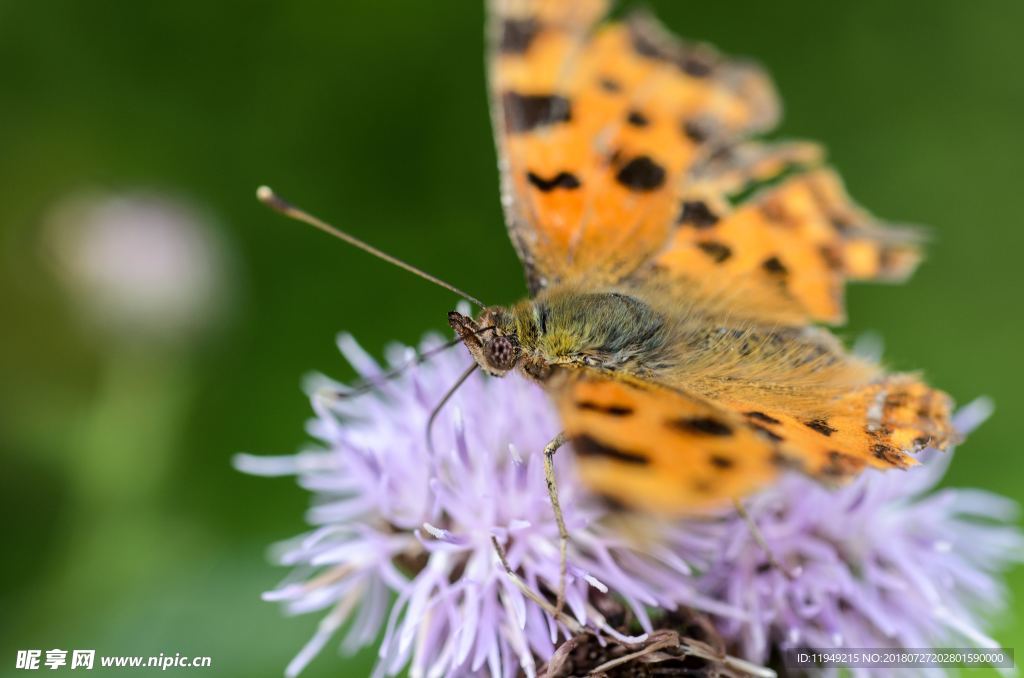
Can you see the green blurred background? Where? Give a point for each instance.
(126, 529)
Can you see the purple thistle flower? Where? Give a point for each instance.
(885, 562)
(402, 546)
(392, 518)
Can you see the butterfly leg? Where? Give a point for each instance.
(755, 532)
(563, 534)
(545, 605)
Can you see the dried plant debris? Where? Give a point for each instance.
(684, 643)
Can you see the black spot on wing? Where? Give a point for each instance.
(702, 425)
(610, 410)
(719, 252)
(518, 34)
(612, 504)
(774, 266)
(762, 417)
(841, 224)
(722, 156)
(588, 446)
(696, 131)
(785, 461)
(841, 465)
(610, 85)
(888, 260)
(702, 485)
(689, 61)
(643, 45)
(565, 180)
(774, 213)
(833, 261)
(721, 461)
(696, 213)
(888, 454)
(637, 119)
(641, 174)
(897, 399)
(695, 65)
(821, 426)
(525, 112)
(767, 433)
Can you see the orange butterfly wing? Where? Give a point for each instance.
(621, 146)
(668, 451)
(597, 127)
(878, 425)
(786, 250)
(626, 165)
(660, 449)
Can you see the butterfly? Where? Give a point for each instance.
(680, 273)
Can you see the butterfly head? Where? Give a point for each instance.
(497, 342)
(491, 339)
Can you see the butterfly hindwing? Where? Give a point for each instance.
(665, 450)
(785, 251)
(879, 425)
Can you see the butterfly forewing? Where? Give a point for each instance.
(597, 126)
(659, 449)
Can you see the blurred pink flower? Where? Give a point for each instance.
(138, 263)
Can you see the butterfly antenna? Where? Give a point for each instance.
(447, 396)
(279, 204)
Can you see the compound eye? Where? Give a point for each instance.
(501, 353)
